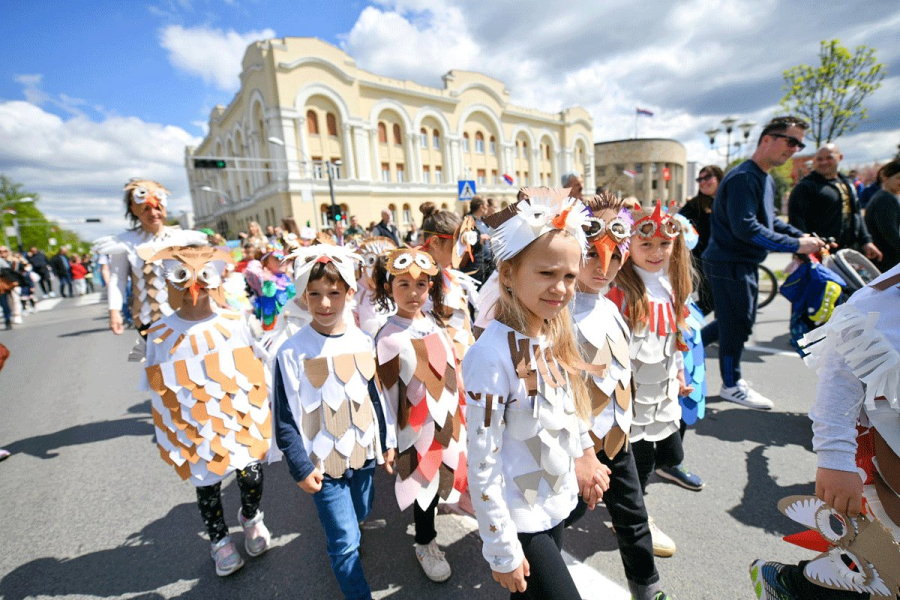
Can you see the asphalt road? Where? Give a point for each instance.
(90, 511)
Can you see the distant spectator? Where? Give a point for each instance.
(883, 216)
(870, 190)
(270, 234)
(698, 211)
(853, 176)
(63, 271)
(8, 280)
(355, 228)
(482, 264)
(386, 228)
(78, 274)
(339, 236)
(88, 262)
(254, 235)
(41, 265)
(575, 183)
(491, 207)
(412, 235)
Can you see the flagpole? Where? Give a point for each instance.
(635, 123)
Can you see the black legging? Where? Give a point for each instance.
(667, 452)
(550, 577)
(424, 521)
(209, 501)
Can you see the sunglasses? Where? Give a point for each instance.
(792, 142)
(703, 178)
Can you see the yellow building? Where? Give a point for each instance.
(304, 102)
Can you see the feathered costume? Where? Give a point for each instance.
(271, 291)
(693, 406)
(419, 372)
(371, 317)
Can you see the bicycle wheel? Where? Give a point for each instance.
(768, 286)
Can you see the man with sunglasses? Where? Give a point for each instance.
(743, 231)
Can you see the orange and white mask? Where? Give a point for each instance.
(190, 269)
(144, 194)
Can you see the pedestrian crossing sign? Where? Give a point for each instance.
(466, 190)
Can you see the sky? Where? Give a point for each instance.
(95, 92)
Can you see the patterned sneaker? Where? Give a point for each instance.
(663, 546)
(257, 538)
(743, 395)
(680, 475)
(226, 557)
(769, 582)
(433, 562)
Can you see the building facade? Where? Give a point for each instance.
(305, 110)
(648, 169)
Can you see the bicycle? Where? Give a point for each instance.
(768, 287)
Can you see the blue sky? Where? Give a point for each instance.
(95, 92)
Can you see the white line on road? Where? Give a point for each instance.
(47, 304)
(87, 299)
(776, 351)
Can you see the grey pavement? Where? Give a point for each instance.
(90, 510)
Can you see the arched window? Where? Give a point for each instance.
(436, 140)
(407, 214)
(466, 147)
(323, 215)
(398, 139)
(547, 151)
(382, 133)
(423, 141)
(518, 150)
(479, 142)
(312, 122)
(493, 143)
(443, 206)
(392, 208)
(331, 124)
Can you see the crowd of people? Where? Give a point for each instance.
(526, 362)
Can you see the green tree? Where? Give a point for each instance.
(34, 227)
(830, 95)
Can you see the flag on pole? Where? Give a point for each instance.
(644, 112)
(507, 179)
(630, 173)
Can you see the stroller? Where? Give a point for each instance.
(821, 282)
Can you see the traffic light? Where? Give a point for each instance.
(336, 213)
(209, 163)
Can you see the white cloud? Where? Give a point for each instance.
(79, 166)
(692, 63)
(212, 54)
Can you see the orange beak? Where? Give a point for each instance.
(606, 247)
(195, 292)
(559, 221)
(415, 271)
(152, 202)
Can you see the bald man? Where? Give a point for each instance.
(825, 203)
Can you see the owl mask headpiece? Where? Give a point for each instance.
(370, 249)
(541, 211)
(190, 269)
(858, 554)
(146, 194)
(465, 236)
(660, 223)
(304, 259)
(608, 227)
(412, 261)
(691, 236)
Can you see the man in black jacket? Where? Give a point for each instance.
(41, 265)
(63, 271)
(825, 203)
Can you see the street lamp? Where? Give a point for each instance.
(207, 188)
(729, 122)
(274, 140)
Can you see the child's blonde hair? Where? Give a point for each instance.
(681, 276)
(511, 312)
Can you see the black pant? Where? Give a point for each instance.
(550, 577)
(667, 452)
(424, 522)
(46, 284)
(798, 583)
(625, 502)
(209, 501)
(735, 287)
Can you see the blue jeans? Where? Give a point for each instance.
(65, 282)
(4, 306)
(342, 504)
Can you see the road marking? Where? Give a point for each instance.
(88, 299)
(47, 304)
(590, 582)
(776, 351)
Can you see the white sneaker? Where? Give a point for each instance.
(743, 395)
(257, 538)
(17, 320)
(663, 545)
(433, 562)
(226, 557)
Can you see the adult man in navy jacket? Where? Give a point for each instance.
(743, 231)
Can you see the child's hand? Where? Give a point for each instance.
(683, 388)
(312, 483)
(389, 461)
(592, 477)
(514, 581)
(842, 490)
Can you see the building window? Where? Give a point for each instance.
(385, 172)
(481, 177)
(331, 124)
(426, 174)
(479, 142)
(335, 168)
(526, 178)
(318, 167)
(438, 175)
(312, 122)
(525, 149)
(323, 215)
(400, 173)
(436, 140)
(466, 142)
(494, 178)
(443, 206)
(518, 150)
(382, 133)
(423, 141)
(398, 139)
(407, 214)
(392, 208)
(639, 168)
(493, 146)
(547, 151)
